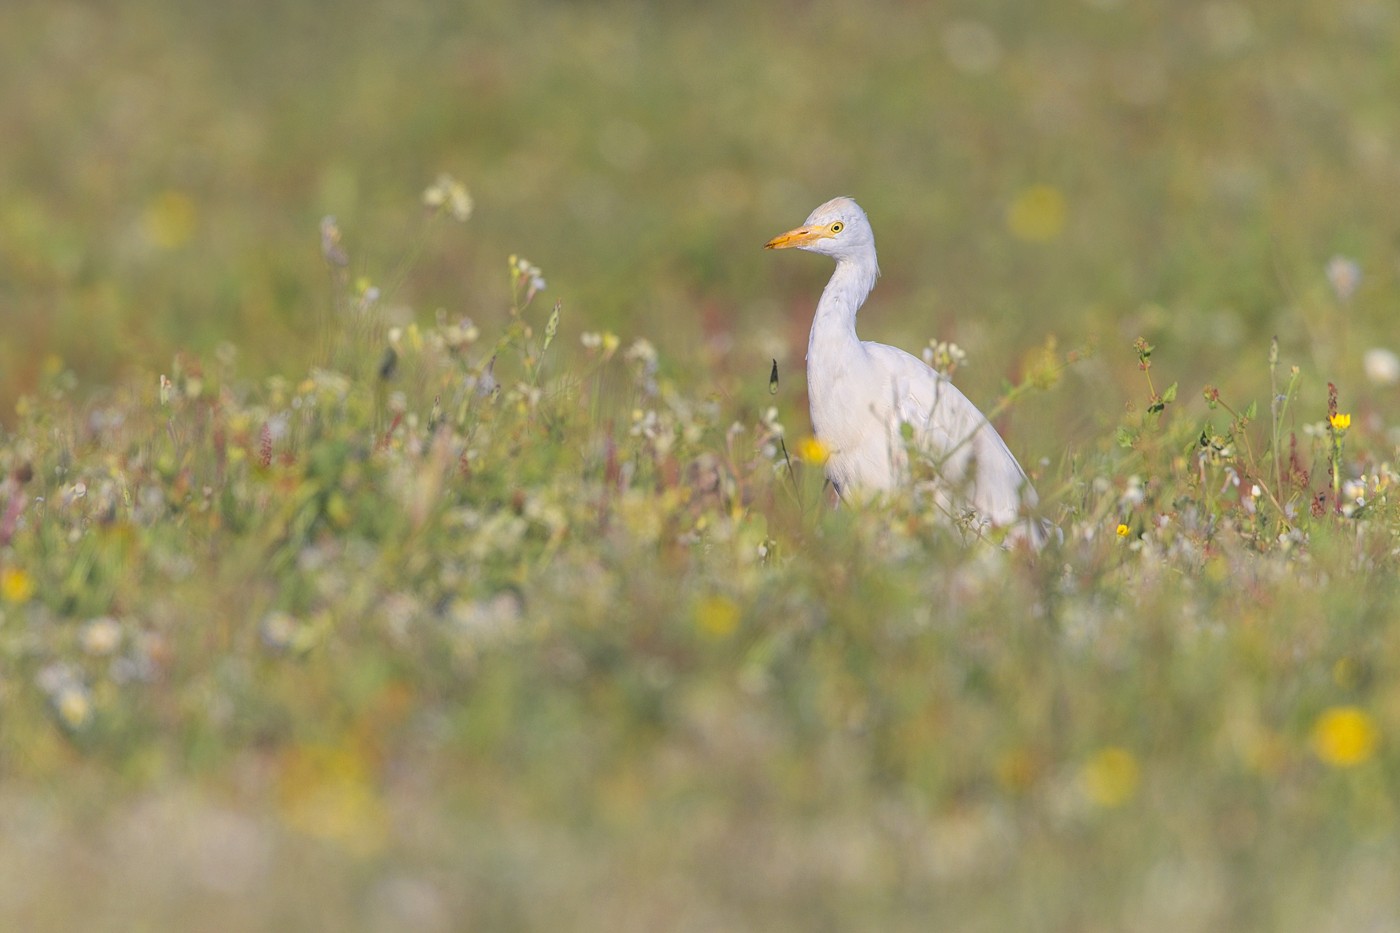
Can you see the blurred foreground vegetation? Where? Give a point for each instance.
(371, 588)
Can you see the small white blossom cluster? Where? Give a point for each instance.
(64, 686)
(607, 341)
(450, 193)
(643, 356)
(642, 352)
(1368, 487)
(770, 430)
(522, 270)
(944, 356)
(658, 429)
(1382, 366)
(1344, 275)
(456, 337)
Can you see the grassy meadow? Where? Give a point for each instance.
(358, 572)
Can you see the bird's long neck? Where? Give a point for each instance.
(834, 324)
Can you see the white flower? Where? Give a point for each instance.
(1344, 275)
(101, 636)
(1382, 366)
(278, 629)
(448, 191)
(63, 684)
(526, 272)
(944, 356)
(642, 352)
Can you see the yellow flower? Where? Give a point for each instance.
(1110, 778)
(16, 586)
(717, 616)
(812, 450)
(1344, 736)
(1122, 531)
(1340, 421)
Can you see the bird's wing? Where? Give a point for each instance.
(955, 434)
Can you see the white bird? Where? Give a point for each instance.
(862, 393)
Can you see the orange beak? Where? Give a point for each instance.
(799, 237)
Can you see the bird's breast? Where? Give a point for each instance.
(851, 417)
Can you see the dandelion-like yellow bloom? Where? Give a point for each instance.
(1344, 736)
(1110, 778)
(1340, 421)
(814, 451)
(16, 586)
(1122, 531)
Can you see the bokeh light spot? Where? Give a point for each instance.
(971, 47)
(717, 616)
(170, 219)
(1111, 777)
(1038, 214)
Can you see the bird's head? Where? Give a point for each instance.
(838, 229)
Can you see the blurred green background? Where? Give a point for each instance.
(1183, 170)
(874, 730)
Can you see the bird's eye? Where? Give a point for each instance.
(837, 227)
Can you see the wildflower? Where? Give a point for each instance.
(811, 450)
(1122, 530)
(610, 343)
(278, 629)
(1340, 422)
(1111, 777)
(1344, 736)
(717, 616)
(451, 193)
(590, 340)
(1382, 366)
(642, 352)
(369, 297)
(74, 707)
(65, 689)
(331, 249)
(944, 356)
(523, 271)
(16, 586)
(1344, 275)
(771, 423)
(462, 334)
(101, 636)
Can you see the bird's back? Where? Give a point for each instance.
(974, 465)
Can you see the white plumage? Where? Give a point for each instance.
(861, 393)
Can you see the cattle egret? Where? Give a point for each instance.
(862, 393)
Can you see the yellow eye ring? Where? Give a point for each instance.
(837, 227)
